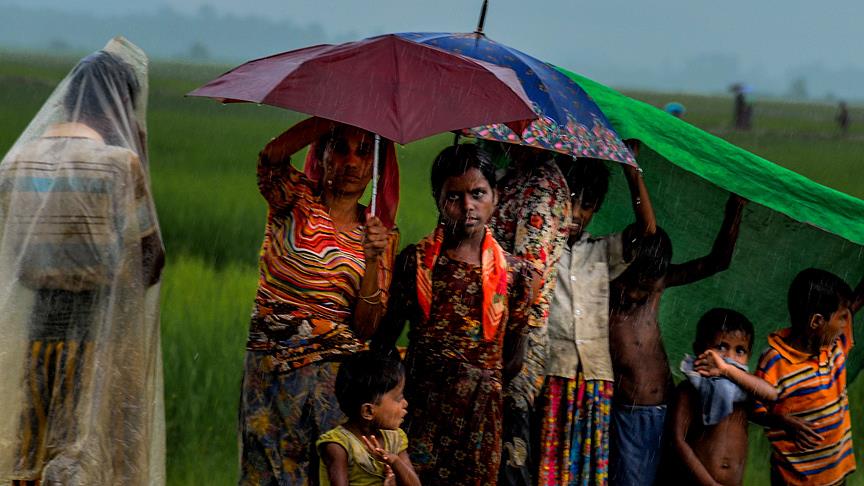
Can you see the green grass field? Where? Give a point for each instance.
(203, 178)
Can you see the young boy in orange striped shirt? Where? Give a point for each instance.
(808, 425)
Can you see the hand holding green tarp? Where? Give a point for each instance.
(795, 224)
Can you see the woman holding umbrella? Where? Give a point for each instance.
(325, 267)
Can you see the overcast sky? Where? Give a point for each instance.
(769, 35)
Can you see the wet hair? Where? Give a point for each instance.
(720, 320)
(587, 178)
(456, 160)
(652, 254)
(816, 291)
(364, 378)
(92, 80)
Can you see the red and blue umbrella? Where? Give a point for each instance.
(568, 120)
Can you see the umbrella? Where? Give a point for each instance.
(791, 224)
(388, 85)
(568, 121)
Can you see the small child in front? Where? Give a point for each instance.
(809, 425)
(710, 409)
(370, 448)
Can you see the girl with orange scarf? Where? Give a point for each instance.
(466, 300)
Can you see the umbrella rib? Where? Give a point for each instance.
(397, 109)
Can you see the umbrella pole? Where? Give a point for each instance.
(482, 17)
(375, 164)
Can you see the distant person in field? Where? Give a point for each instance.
(467, 301)
(843, 117)
(573, 407)
(325, 268)
(369, 449)
(80, 260)
(675, 109)
(809, 425)
(641, 367)
(743, 112)
(710, 408)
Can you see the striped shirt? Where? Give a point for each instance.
(310, 274)
(68, 205)
(814, 389)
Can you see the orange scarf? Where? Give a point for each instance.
(495, 270)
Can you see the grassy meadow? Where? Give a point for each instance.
(202, 164)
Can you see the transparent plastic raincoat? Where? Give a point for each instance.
(80, 258)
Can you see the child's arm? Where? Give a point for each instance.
(404, 471)
(721, 253)
(515, 346)
(798, 430)
(681, 411)
(642, 208)
(400, 463)
(402, 297)
(336, 460)
(710, 363)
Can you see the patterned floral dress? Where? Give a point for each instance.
(454, 385)
(531, 223)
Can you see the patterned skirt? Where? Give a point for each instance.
(574, 436)
(281, 417)
(454, 423)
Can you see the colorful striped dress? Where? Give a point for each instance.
(814, 389)
(301, 326)
(310, 274)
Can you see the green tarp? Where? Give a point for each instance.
(792, 222)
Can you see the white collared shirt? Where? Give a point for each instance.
(579, 314)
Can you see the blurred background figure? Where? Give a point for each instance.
(82, 256)
(743, 113)
(843, 117)
(675, 109)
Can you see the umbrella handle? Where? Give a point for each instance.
(375, 164)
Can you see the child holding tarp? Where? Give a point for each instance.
(577, 392)
(710, 408)
(641, 368)
(809, 425)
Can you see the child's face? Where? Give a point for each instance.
(582, 213)
(835, 325)
(391, 409)
(466, 203)
(733, 345)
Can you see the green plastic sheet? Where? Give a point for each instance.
(792, 222)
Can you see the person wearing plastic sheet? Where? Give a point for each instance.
(531, 222)
(82, 255)
(325, 267)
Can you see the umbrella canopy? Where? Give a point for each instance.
(398, 89)
(792, 224)
(568, 121)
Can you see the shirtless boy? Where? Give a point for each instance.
(642, 376)
(710, 439)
